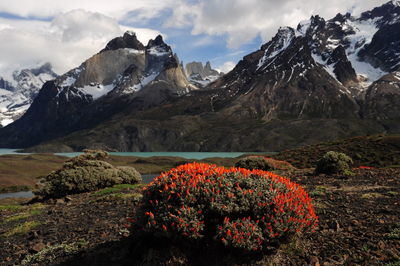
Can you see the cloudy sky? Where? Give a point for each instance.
(65, 33)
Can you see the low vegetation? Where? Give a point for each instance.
(50, 253)
(87, 172)
(124, 192)
(33, 210)
(11, 208)
(22, 228)
(394, 234)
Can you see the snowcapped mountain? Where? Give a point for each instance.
(355, 51)
(324, 80)
(125, 74)
(201, 75)
(17, 95)
(323, 67)
(125, 66)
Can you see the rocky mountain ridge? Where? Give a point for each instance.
(125, 73)
(17, 95)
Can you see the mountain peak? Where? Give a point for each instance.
(128, 40)
(341, 18)
(201, 75)
(389, 11)
(395, 2)
(158, 41)
(45, 68)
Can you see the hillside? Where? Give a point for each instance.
(375, 151)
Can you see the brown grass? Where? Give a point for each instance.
(24, 170)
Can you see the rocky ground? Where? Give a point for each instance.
(359, 225)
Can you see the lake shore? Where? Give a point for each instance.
(22, 172)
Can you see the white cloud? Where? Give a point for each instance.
(226, 67)
(243, 20)
(65, 42)
(51, 8)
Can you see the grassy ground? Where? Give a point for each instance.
(19, 172)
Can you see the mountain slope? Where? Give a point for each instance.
(321, 81)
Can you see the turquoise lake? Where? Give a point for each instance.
(146, 178)
(186, 155)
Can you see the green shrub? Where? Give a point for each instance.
(334, 163)
(253, 162)
(262, 163)
(241, 209)
(85, 173)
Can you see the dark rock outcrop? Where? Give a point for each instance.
(129, 40)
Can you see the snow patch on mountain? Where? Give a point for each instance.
(332, 44)
(364, 32)
(284, 39)
(144, 81)
(68, 82)
(158, 51)
(329, 68)
(397, 75)
(303, 27)
(133, 51)
(96, 90)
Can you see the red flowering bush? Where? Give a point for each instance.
(243, 209)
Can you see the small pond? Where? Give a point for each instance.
(21, 194)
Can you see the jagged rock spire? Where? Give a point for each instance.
(128, 40)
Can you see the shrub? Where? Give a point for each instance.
(253, 162)
(277, 164)
(242, 209)
(85, 173)
(263, 163)
(334, 163)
